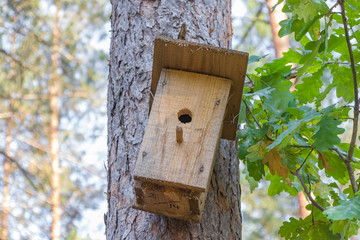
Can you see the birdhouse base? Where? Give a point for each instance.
(172, 202)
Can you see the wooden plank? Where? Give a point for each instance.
(189, 164)
(205, 59)
(169, 201)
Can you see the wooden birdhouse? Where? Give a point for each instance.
(197, 94)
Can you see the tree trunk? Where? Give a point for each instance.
(7, 170)
(7, 164)
(134, 27)
(54, 132)
(282, 45)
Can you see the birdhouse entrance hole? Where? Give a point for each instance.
(185, 115)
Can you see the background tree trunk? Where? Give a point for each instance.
(134, 27)
(54, 131)
(282, 45)
(7, 164)
(7, 170)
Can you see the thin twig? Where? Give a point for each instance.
(294, 70)
(331, 9)
(24, 172)
(305, 160)
(313, 202)
(343, 118)
(354, 33)
(349, 168)
(252, 24)
(267, 115)
(21, 64)
(256, 121)
(300, 146)
(339, 154)
(356, 95)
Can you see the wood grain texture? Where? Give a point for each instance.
(188, 165)
(197, 102)
(134, 26)
(199, 58)
(169, 201)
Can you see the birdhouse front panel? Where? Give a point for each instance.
(194, 103)
(181, 139)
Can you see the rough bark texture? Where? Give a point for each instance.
(54, 132)
(282, 45)
(134, 27)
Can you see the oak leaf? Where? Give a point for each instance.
(275, 164)
(324, 161)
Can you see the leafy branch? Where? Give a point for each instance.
(299, 120)
(255, 120)
(26, 174)
(356, 107)
(306, 191)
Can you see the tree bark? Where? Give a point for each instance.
(54, 132)
(282, 45)
(134, 27)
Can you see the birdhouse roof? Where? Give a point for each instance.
(205, 59)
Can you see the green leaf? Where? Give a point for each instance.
(292, 56)
(288, 158)
(279, 184)
(273, 76)
(292, 229)
(321, 96)
(347, 209)
(284, 138)
(314, 30)
(346, 228)
(254, 58)
(256, 170)
(265, 92)
(307, 10)
(300, 27)
(342, 77)
(292, 128)
(304, 229)
(310, 86)
(256, 152)
(286, 26)
(308, 59)
(322, 190)
(353, 6)
(327, 135)
(273, 8)
(251, 180)
(339, 170)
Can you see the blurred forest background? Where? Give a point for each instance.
(53, 76)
